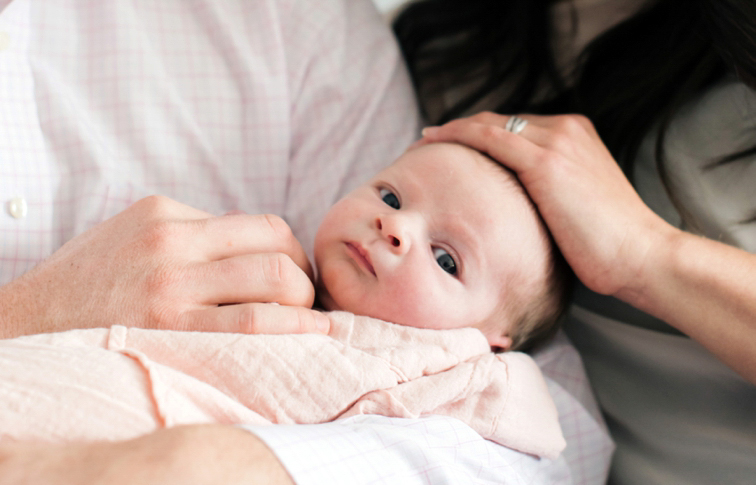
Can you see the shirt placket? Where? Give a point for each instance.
(26, 179)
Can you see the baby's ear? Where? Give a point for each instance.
(497, 340)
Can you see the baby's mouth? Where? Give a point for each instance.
(361, 256)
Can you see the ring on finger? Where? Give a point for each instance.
(515, 124)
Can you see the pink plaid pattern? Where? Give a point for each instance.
(259, 105)
(262, 106)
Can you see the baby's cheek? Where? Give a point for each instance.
(416, 306)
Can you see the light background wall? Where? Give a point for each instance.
(388, 6)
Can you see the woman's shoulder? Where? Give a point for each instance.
(717, 123)
(718, 194)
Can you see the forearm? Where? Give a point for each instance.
(189, 454)
(18, 315)
(706, 290)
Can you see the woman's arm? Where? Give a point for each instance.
(188, 454)
(705, 289)
(615, 244)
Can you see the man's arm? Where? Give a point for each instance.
(162, 264)
(197, 455)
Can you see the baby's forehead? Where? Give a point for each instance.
(471, 160)
(454, 173)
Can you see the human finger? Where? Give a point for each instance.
(515, 124)
(515, 151)
(558, 133)
(256, 318)
(554, 132)
(257, 277)
(164, 208)
(560, 122)
(431, 134)
(229, 236)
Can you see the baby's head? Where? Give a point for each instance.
(443, 238)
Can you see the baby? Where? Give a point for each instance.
(444, 238)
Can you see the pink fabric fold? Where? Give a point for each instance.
(121, 382)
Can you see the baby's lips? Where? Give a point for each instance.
(362, 256)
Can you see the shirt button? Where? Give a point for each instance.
(17, 207)
(5, 40)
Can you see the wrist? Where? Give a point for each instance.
(20, 310)
(10, 307)
(658, 262)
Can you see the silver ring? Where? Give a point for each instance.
(515, 124)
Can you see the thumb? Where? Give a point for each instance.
(256, 318)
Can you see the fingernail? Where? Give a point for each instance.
(429, 131)
(322, 323)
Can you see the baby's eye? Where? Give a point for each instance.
(445, 260)
(390, 198)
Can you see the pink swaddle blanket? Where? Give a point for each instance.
(119, 383)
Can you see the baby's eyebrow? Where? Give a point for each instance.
(465, 240)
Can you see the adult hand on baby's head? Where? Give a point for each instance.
(605, 231)
(162, 264)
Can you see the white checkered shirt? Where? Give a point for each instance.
(276, 106)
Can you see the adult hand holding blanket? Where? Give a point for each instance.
(119, 383)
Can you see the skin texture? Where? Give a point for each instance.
(377, 249)
(615, 244)
(207, 454)
(161, 264)
(176, 264)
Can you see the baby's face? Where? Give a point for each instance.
(433, 241)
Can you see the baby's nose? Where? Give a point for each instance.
(395, 231)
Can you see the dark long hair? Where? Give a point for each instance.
(632, 77)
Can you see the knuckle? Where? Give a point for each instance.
(306, 321)
(571, 124)
(280, 270)
(288, 281)
(161, 315)
(160, 235)
(303, 320)
(153, 204)
(582, 120)
(161, 282)
(299, 321)
(278, 227)
(275, 269)
(486, 117)
(560, 142)
(549, 159)
(491, 131)
(249, 319)
(282, 233)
